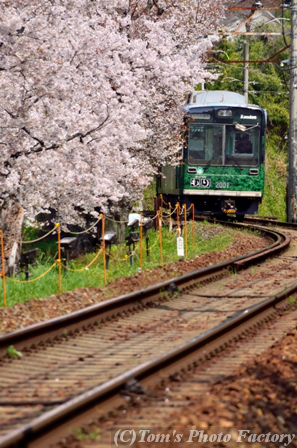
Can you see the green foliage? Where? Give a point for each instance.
(148, 196)
(47, 246)
(83, 435)
(268, 83)
(274, 202)
(291, 300)
(13, 353)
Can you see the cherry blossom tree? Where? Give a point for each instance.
(90, 98)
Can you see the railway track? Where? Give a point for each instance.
(170, 407)
(271, 222)
(71, 364)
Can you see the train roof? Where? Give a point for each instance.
(218, 98)
(205, 97)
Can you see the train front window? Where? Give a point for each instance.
(221, 144)
(205, 144)
(242, 148)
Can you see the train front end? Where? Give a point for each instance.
(222, 168)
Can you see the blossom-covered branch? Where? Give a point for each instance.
(91, 94)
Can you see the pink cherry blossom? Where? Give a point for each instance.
(91, 94)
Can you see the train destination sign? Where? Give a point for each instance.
(248, 117)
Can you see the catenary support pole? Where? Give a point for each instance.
(246, 72)
(292, 182)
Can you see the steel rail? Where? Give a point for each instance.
(52, 424)
(47, 330)
(270, 222)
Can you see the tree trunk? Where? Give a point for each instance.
(118, 223)
(11, 222)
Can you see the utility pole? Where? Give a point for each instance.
(292, 182)
(246, 72)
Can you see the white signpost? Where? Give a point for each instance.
(180, 246)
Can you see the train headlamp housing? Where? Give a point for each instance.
(224, 113)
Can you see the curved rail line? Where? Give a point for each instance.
(36, 432)
(271, 222)
(47, 330)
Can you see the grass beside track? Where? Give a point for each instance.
(206, 238)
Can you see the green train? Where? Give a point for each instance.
(222, 165)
